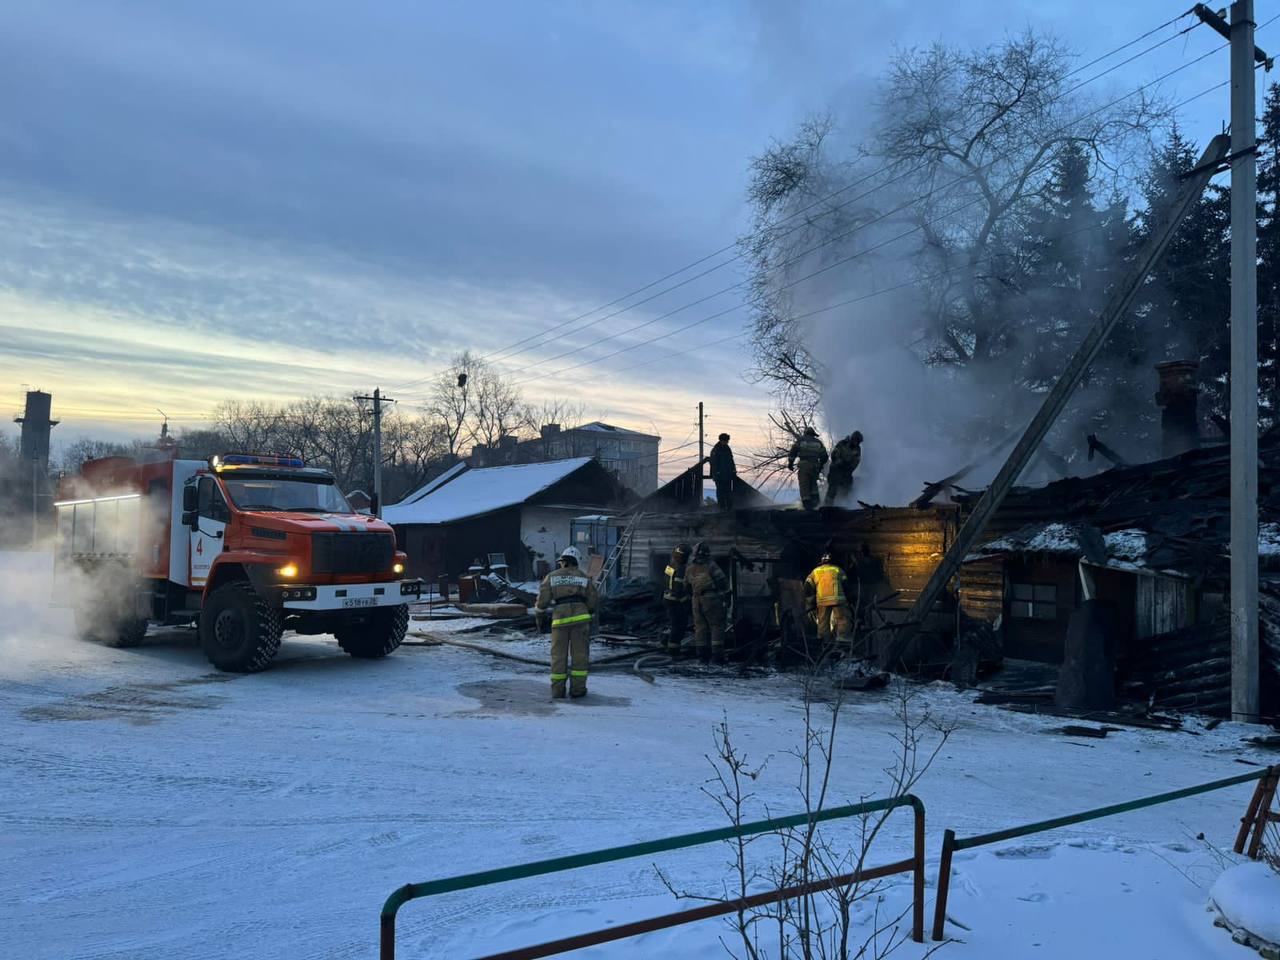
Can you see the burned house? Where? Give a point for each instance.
(1150, 542)
(524, 512)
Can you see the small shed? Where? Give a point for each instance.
(523, 511)
(1030, 582)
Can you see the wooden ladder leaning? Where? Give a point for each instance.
(1259, 814)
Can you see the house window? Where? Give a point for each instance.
(1034, 601)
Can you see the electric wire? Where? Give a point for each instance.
(844, 260)
(507, 352)
(829, 240)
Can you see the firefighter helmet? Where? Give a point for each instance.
(681, 550)
(855, 437)
(702, 551)
(724, 436)
(572, 555)
(826, 557)
(810, 432)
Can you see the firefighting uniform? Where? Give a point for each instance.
(675, 597)
(708, 587)
(845, 457)
(809, 456)
(824, 589)
(571, 597)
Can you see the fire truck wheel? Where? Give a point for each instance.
(379, 636)
(100, 624)
(239, 632)
(128, 633)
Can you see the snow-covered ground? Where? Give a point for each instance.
(150, 807)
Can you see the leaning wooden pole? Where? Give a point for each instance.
(1056, 399)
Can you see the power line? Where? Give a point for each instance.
(845, 260)
(507, 352)
(846, 203)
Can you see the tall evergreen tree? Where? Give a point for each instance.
(1269, 260)
(1185, 307)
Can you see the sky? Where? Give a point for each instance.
(268, 201)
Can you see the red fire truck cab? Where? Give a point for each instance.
(244, 545)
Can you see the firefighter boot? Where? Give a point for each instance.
(558, 691)
(704, 654)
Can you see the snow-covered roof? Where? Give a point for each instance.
(1124, 549)
(435, 484)
(596, 426)
(479, 491)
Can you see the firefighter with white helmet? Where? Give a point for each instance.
(570, 596)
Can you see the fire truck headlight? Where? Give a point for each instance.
(397, 568)
(288, 571)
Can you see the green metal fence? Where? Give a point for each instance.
(951, 843)
(914, 864)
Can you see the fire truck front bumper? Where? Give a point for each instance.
(349, 596)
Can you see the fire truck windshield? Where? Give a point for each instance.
(272, 493)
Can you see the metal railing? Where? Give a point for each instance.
(913, 864)
(951, 843)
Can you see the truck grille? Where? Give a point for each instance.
(352, 552)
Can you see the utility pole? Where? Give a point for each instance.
(378, 400)
(701, 453)
(1244, 370)
(1245, 703)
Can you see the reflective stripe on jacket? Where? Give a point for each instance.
(676, 588)
(569, 593)
(827, 584)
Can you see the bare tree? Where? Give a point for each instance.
(846, 920)
(449, 399)
(962, 146)
(498, 409)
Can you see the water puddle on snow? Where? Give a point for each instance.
(528, 698)
(136, 703)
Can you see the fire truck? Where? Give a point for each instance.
(245, 546)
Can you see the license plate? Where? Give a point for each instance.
(359, 602)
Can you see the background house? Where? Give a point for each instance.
(631, 456)
(523, 511)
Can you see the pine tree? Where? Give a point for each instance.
(1269, 261)
(1185, 306)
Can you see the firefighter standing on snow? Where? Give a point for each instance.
(812, 457)
(571, 597)
(824, 593)
(675, 597)
(709, 588)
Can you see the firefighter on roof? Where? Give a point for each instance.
(571, 597)
(811, 456)
(675, 597)
(709, 588)
(825, 600)
(845, 457)
(723, 471)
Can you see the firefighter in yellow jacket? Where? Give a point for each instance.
(709, 588)
(824, 591)
(570, 596)
(675, 597)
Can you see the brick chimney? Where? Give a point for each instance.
(549, 430)
(1179, 401)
